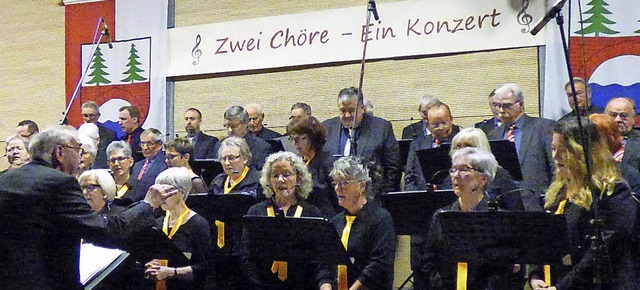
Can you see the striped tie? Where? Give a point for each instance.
(144, 169)
(510, 135)
(619, 154)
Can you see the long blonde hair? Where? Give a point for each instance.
(574, 184)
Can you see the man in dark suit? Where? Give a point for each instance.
(487, 125)
(375, 141)
(129, 119)
(256, 117)
(145, 171)
(300, 109)
(90, 114)
(442, 130)
(532, 138)
(236, 120)
(44, 215)
(203, 144)
(420, 128)
(583, 94)
(623, 110)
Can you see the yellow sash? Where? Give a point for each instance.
(280, 267)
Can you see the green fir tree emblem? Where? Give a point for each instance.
(98, 73)
(597, 22)
(637, 31)
(132, 72)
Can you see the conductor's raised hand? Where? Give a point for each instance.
(157, 193)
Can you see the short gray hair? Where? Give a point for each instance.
(179, 177)
(119, 145)
(44, 143)
(233, 141)
(91, 105)
(349, 94)
(25, 141)
(586, 84)
(351, 167)
(304, 181)
(426, 100)
(513, 89)
(104, 178)
(89, 143)
(474, 136)
(89, 129)
(155, 132)
(237, 113)
(482, 161)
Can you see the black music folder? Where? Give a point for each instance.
(283, 143)
(507, 157)
(208, 169)
(412, 210)
(225, 208)
(435, 163)
(295, 239)
(504, 237)
(152, 243)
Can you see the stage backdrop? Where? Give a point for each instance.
(132, 72)
(406, 28)
(604, 48)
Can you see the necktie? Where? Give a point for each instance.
(343, 283)
(619, 154)
(436, 143)
(347, 146)
(510, 135)
(144, 169)
(129, 139)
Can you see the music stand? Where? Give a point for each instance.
(507, 157)
(412, 210)
(208, 169)
(282, 144)
(435, 163)
(404, 145)
(295, 239)
(151, 243)
(225, 208)
(504, 237)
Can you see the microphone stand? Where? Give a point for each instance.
(598, 244)
(94, 46)
(371, 9)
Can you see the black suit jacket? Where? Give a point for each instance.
(43, 216)
(376, 144)
(135, 143)
(204, 147)
(536, 162)
(631, 155)
(487, 125)
(267, 134)
(106, 137)
(149, 178)
(413, 131)
(414, 178)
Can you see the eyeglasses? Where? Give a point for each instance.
(342, 183)
(118, 159)
(285, 176)
(171, 156)
(298, 139)
(462, 170)
(90, 187)
(89, 115)
(148, 144)
(80, 150)
(505, 106)
(229, 158)
(623, 116)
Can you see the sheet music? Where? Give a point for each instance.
(94, 259)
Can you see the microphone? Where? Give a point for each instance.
(106, 33)
(547, 17)
(372, 8)
(414, 135)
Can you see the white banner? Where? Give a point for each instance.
(405, 28)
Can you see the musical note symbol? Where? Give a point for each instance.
(524, 18)
(196, 53)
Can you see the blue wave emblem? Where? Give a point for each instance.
(602, 94)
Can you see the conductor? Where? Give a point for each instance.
(43, 216)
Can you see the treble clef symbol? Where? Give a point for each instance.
(196, 53)
(524, 18)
